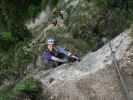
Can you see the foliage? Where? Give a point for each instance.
(13, 62)
(15, 13)
(6, 36)
(11, 21)
(25, 86)
(14, 36)
(6, 94)
(29, 85)
(29, 88)
(93, 20)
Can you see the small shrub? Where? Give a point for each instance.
(28, 88)
(6, 94)
(29, 85)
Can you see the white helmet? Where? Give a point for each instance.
(51, 41)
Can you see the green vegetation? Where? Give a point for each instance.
(29, 88)
(14, 36)
(6, 94)
(13, 61)
(93, 20)
(14, 39)
(28, 85)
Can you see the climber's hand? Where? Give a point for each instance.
(75, 58)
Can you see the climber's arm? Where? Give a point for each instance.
(48, 56)
(57, 59)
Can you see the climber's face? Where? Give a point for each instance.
(51, 47)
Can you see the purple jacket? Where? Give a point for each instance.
(47, 56)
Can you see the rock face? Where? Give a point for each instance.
(95, 77)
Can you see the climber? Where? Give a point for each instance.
(56, 55)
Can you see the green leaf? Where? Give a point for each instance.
(7, 35)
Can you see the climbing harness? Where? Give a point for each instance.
(117, 68)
